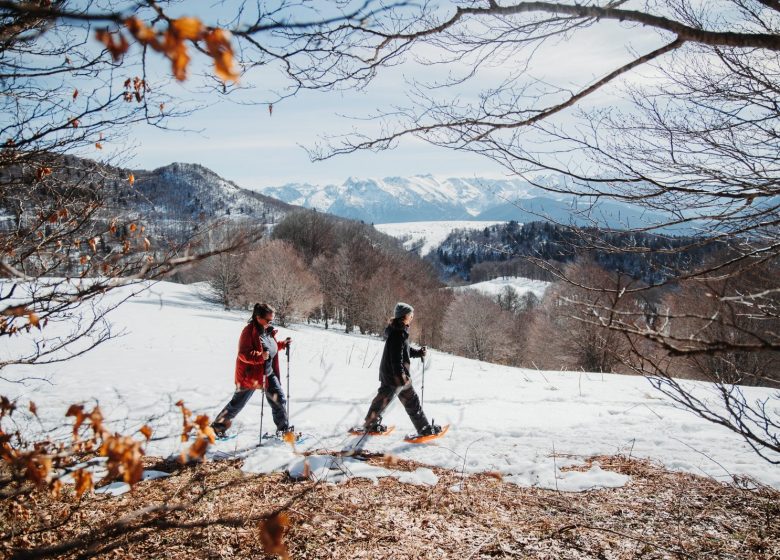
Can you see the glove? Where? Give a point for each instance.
(423, 351)
(288, 341)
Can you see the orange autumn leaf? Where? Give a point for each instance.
(187, 28)
(202, 421)
(38, 468)
(96, 419)
(272, 532)
(33, 408)
(198, 449)
(77, 411)
(93, 244)
(146, 431)
(74, 123)
(75, 94)
(175, 49)
(98, 145)
(218, 46)
(179, 62)
(83, 480)
(115, 43)
(289, 437)
(32, 318)
(131, 179)
(133, 228)
(56, 489)
(143, 34)
(124, 457)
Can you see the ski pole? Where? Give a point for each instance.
(287, 353)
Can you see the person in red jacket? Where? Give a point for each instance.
(257, 367)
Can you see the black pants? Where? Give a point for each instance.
(273, 394)
(408, 397)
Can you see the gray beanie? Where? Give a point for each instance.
(402, 310)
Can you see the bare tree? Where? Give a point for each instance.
(565, 335)
(224, 280)
(276, 274)
(476, 327)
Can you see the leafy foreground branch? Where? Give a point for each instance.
(214, 510)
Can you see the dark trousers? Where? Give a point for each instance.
(273, 394)
(408, 397)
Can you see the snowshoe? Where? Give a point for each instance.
(379, 430)
(430, 432)
(285, 436)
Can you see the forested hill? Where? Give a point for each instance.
(498, 250)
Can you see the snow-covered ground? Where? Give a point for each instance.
(518, 284)
(432, 232)
(502, 419)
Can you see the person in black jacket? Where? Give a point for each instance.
(394, 376)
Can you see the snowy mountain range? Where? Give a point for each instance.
(425, 198)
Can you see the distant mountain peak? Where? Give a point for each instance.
(424, 198)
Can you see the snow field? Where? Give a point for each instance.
(504, 419)
(433, 233)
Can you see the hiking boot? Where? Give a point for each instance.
(430, 430)
(375, 428)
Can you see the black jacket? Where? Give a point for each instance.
(396, 358)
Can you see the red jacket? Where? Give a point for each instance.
(249, 362)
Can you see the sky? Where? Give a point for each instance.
(247, 145)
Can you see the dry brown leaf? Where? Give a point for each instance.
(272, 532)
(219, 48)
(146, 431)
(77, 411)
(32, 319)
(56, 489)
(115, 43)
(83, 480)
(187, 28)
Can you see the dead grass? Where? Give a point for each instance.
(213, 510)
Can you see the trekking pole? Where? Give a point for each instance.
(287, 353)
(422, 388)
(262, 409)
